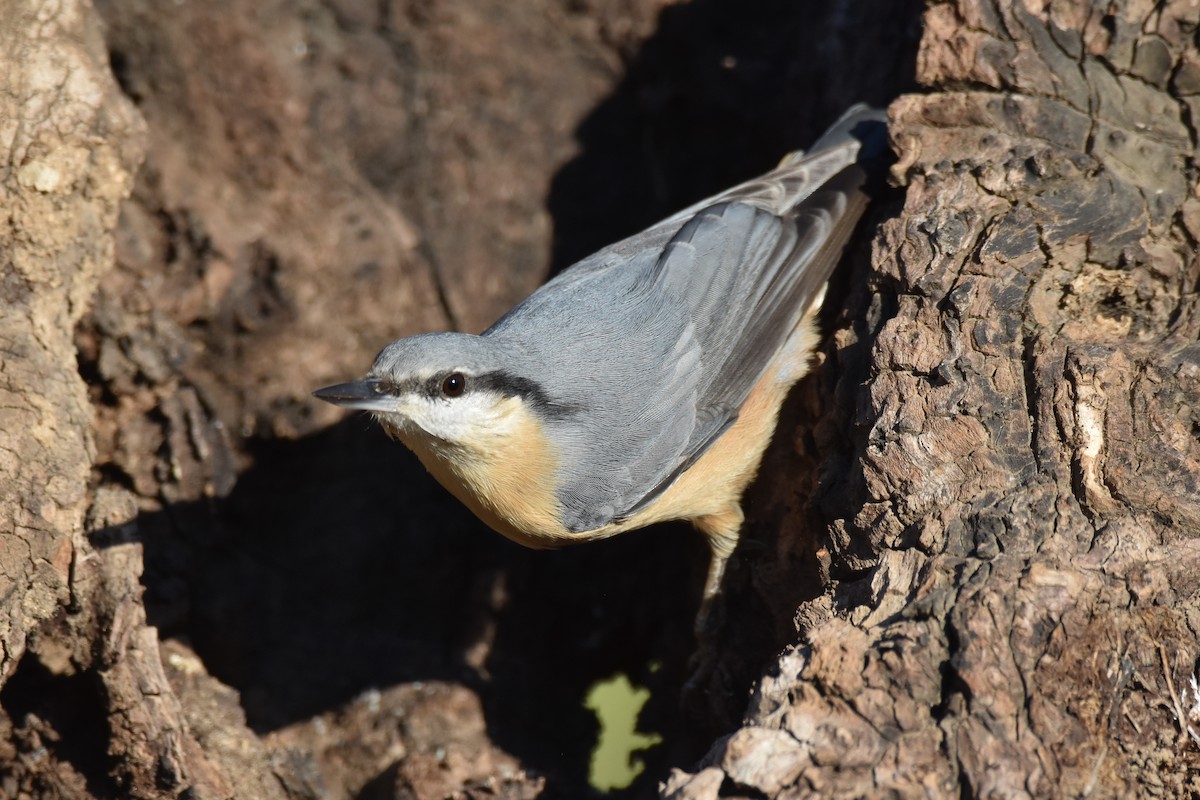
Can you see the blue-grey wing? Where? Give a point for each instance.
(701, 304)
(749, 277)
(859, 135)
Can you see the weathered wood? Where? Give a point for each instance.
(1013, 552)
(71, 145)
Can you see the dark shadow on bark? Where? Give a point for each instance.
(62, 713)
(718, 95)
(337, 565)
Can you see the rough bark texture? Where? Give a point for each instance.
(1012, 441)
(971, 565)
(72, 145)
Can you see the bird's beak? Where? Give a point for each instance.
(368, 394)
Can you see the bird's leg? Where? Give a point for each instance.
(722, 532)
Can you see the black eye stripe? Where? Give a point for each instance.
(397, 388)
(510, 385)
(499, 382)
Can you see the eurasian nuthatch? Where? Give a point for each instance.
(643, 383)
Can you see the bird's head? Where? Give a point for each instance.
(444, 390)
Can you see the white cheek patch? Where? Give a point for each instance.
(470, 420)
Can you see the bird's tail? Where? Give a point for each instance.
(861, 127)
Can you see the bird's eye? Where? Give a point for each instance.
(454, 385)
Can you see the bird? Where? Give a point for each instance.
(643, 383)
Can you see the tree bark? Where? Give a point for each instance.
(970, 565)
(1011, 434)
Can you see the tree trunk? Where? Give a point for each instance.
(1011, 437)
(970, 565)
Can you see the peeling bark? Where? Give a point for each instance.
(71, 144)
(1013, 560)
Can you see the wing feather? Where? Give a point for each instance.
(749, 278)
(699, 305)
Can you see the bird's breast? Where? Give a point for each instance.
(507, 474)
